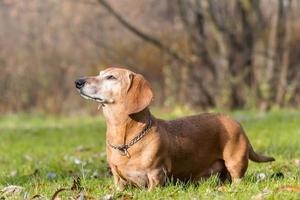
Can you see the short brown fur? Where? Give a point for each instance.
(189, 148)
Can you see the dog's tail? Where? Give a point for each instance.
(257, 157)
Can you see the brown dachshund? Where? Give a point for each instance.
(144, 151)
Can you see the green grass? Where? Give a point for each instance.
(43, 154)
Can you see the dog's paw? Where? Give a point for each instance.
(120, 187)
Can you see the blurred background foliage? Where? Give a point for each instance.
(235, 54)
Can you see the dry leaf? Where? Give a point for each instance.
(75, 187)
(76, 184)
(127, 197)
(55, 195)
(289, 188)
(37, 196)
(108, 197)
(82, 196)
(261, 195)
(11, 190)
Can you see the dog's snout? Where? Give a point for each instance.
(79, 83)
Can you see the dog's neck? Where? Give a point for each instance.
(121, 127)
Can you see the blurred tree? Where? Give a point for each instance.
(201, 53)
(222, 40)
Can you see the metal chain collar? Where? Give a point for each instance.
(123, 148)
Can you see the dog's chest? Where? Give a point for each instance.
(133, 170)
(134, 175)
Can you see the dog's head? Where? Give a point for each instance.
(117, 86)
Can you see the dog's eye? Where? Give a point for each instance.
(110, 77)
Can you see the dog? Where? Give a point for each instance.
(145, 151)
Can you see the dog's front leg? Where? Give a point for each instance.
(156, 177)
(120, 184)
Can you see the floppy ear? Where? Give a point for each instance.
(139, 94)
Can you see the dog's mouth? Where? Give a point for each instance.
(92, 98)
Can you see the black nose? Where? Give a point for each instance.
(79, 83)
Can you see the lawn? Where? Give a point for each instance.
(43, 154)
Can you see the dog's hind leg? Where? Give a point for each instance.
(236, 160)
(236, 169)
(217, 168)
(224, 175)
